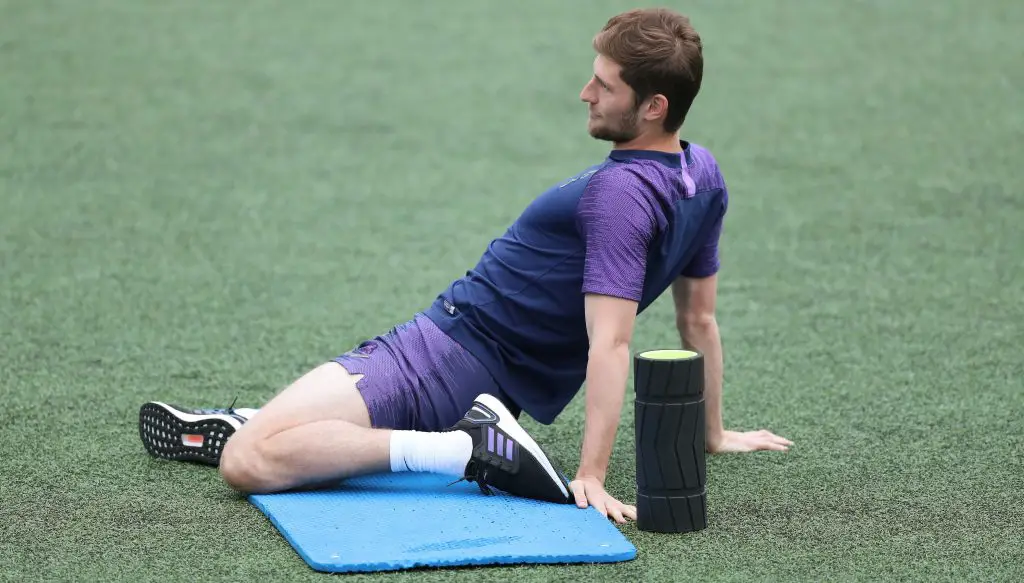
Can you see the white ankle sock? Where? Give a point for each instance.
(419, 451)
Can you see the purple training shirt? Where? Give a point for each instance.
(627, 227)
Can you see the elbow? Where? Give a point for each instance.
(611, 346)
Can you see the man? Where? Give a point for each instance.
(550, 307)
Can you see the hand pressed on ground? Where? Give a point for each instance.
(589, 491)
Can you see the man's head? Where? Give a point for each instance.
(647, 73)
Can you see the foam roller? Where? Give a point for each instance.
(670, 440)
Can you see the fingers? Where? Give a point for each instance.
(629, 511)
(781, 440)
(621, 512)
(777, 440)
(772, 445)
(767, 440)
(618, 511)
(608, 507)
(580, 493)
(615, 513)
(748, 441)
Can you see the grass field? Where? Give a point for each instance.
(202, 200)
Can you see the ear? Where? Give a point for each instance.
(657, 107)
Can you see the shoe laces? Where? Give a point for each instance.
(476, 472)
(230, 410)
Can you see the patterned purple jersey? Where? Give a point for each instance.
(627, 227)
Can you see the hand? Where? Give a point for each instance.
(589, 491)
(746, 441)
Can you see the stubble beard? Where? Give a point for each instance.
(624, 131)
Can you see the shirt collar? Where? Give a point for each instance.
(671, 159)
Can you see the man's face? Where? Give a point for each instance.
(614, 115)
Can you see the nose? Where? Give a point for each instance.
(587, 93)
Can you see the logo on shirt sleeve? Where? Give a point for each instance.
(577, 178)
(449, 307)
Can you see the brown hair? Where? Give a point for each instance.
(659, 52)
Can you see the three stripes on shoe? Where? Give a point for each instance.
(499, 445)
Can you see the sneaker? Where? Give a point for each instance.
(506, 457)
(195, 435)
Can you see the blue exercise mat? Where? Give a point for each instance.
(397, 521)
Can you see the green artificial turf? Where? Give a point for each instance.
(203, 200)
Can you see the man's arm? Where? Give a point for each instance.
(695, 300)
(610, 323)
(617, 219)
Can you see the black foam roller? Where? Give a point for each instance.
(670, 440)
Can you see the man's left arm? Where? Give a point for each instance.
(694, 295)
(694, 299)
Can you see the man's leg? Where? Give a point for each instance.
(404, 402)
(316, 429)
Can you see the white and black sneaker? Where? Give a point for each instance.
(194, 435)
(506, 457)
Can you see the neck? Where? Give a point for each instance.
(661, 142)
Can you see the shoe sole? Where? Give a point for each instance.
(509, 425)
(175, 435)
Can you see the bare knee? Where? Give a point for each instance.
(244, 466)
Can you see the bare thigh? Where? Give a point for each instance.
(326, 393)
(315, 430)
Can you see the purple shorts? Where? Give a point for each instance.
(416, 377)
